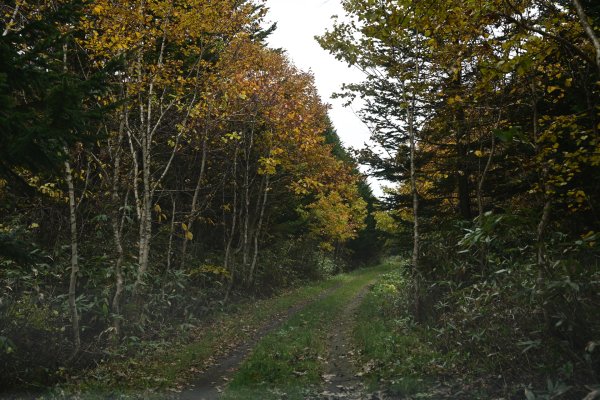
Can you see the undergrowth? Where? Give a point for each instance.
(394, 351)
(165, 366)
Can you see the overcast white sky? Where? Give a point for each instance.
(298, 21)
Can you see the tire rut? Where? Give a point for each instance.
(342, 380)
(210, 384)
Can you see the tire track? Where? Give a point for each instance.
(211, 382)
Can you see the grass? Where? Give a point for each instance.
(393, 349)
(291, 361)
(171, 365)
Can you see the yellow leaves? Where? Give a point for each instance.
(335, 218)
(552, 89)
(161, 216)
(186, 232)
(306, 185)
(211, 269)
(455, 99)
(385, 222)
(229, 137)
(478, 153)
(34, 225)
(276, 151)
(326, 247)
(50, 189)
(268, 165)
(578, 195)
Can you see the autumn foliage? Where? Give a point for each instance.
(192, 166)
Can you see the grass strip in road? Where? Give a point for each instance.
(290, 362)
(172, 365)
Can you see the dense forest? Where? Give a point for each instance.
(156, 160)
(486, 113)
(161, 165)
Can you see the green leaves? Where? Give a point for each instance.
(508, 135)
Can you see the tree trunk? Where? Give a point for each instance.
(541, 235)
(116, 301)
(246, 243)
(545, 218)
(482, 178)
(116, 227)
(74, 240)
(258, 230)
(145, 228)
(226, 265)
(464, 195)
(462, 165)
(13, 18)
(482, 246)
(74, 258)
(193, 208)
(171, 232)
(415, 204)
(588, 30)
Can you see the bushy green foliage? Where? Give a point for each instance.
(503, 313)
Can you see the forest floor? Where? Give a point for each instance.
(297, 345)
(320, 342)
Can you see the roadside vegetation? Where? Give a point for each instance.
(487, 118)
(165, 367)
(392, 351)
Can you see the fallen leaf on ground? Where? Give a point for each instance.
(328, 377)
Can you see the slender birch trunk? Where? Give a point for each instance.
(589, 30)
(74, 238)
(13, 17)
(172, 231)
(258, 230)
(488, 164)
(145, 228)
(170, 246)
(483, 176)
(545, 218)
(74, 257)
(194, 206)
(116, 227)
(226, 265)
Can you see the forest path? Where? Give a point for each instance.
(342, 380)
(305, 354)
(211, 382)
